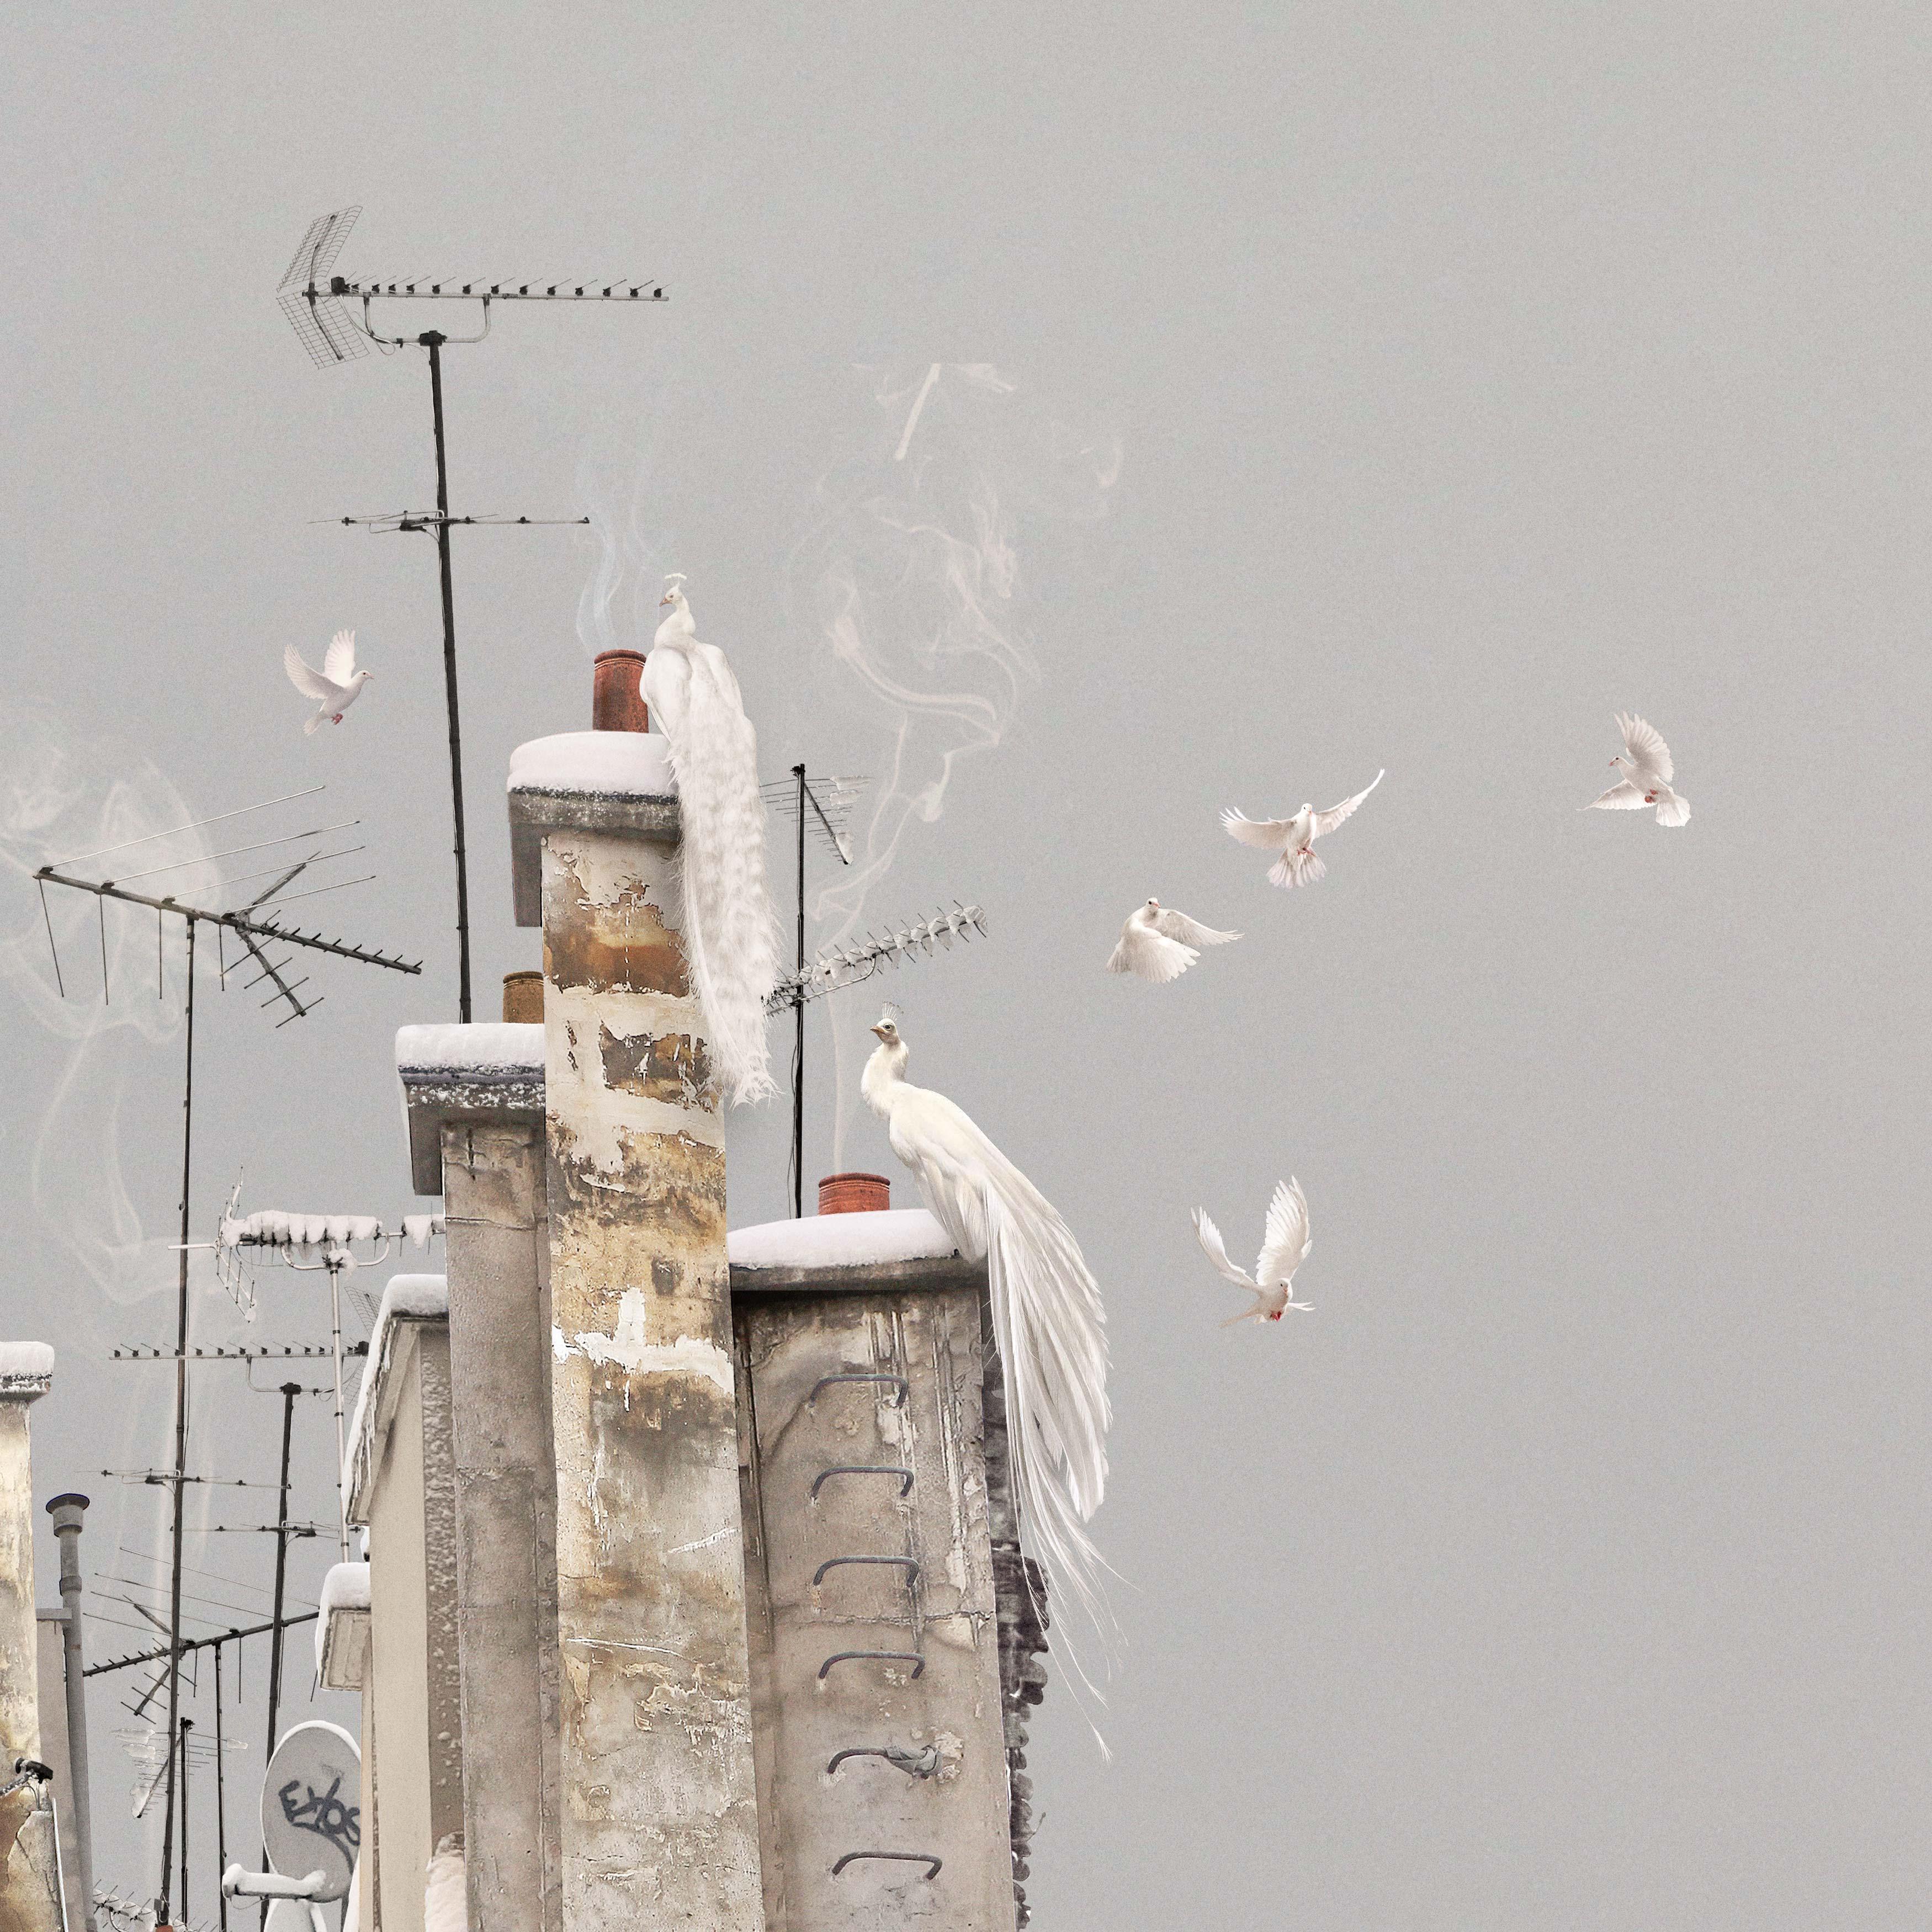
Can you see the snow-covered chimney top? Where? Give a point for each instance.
(584, 781)
(491, 1071)
(26, 1370)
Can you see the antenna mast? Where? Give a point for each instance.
(315, 302)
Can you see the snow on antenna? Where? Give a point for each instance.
(317, 302)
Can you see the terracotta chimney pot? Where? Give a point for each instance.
(617, 704)
(854, 1193)
(523, 997)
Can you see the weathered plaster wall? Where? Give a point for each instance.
(660, 1823)
(28, 1901)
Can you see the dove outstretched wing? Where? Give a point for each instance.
(1177, 926)
(1325, 822)
(1266, 835)
(1216, 1249)
(1286, 1241)
(339, 665)
(1149, 954)
(1624, 797)
(1644, 746)
(306, 679)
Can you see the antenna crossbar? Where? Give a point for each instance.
(339, 288)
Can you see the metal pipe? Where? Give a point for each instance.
(220, 1794)
(187, 1726)
(66, 1511)
(289, 1391)
(798, 1009)
(341, 1445)
(433, 342)
(181, 1446)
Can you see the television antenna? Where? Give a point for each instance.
(318, 304)
(261, 934)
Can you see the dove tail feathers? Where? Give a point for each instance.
(314, 724)
(1296, 869)
(730, 933)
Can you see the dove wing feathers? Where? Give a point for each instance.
(1325, 822)
(1047, 1319)
(1150, 954)
(1286, 1240)
(309, 681)
(1177, 926)
(1268, 835)
(1216, 1249)
(1644, 746)
(1624, 797)
(339, 665)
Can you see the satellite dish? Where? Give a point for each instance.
(312, 1806)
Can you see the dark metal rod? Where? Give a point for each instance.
(433, 342)
(798, 1009)
(289, 1391)
(187, 1726)
(220, 1790)
(910, 1564)
(51, 946)
(864, 1469)
(181, 1444)
(100, 906)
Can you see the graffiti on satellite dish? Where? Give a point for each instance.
(324, 1813)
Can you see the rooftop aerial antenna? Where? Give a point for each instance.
(821, 806)
(261, 934)
(321, 307)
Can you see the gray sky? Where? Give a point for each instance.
(1474, 372)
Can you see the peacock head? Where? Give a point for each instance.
(673, 595)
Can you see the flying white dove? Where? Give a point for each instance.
(1645, 762)
(335, 687)
(1285, 1247)
(730, 931)
(1293, 838)
(1047, 1319)
(446, 1887)
(1159, 944)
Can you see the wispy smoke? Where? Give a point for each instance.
(617, 606)
(58, 802)
(910, 579)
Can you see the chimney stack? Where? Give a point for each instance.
(854, 1194)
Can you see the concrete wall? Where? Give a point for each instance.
(946, 1615)
(660, 1823)
(504, 1483)
(28, 1901)
(52, 1689)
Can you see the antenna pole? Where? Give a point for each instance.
(180, 1456)
(434, 341)
(341, 1447)
(187, 1726)
(798, 1009)
(289, 1391)
(221, 1804)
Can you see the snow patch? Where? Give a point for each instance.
(515, 1046)
(409, 1297)
(842, 1241)
(345, 1588)
(24, 1362)
(604, 764)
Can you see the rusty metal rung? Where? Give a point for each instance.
(825, 1381)
(935, 1865)
(909, 1563)
(864, 1469)
(911, 1657)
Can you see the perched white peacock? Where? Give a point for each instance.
(731, 931)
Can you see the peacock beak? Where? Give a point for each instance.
(879, 1031)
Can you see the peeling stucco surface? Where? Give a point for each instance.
(659, 1816)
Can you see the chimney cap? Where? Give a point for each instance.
(854, 1193)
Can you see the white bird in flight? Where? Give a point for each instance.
(1645, 762)
(1293, 838)
(730, 931)
(1284, 1246)
(1159, 943)
(1047, 1319)
(335, 687)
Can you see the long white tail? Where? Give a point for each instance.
(1050, 1325)
(731, 931)
(1298, 868)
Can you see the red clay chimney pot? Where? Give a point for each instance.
(854, 1193)
(617, 704)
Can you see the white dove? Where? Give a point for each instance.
(1645, 762)
(1285, 1247)
(730, 931)
(1047, 1319)
(1293, 838)
(446, 1887)
(335, 687)
(1159, 944)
